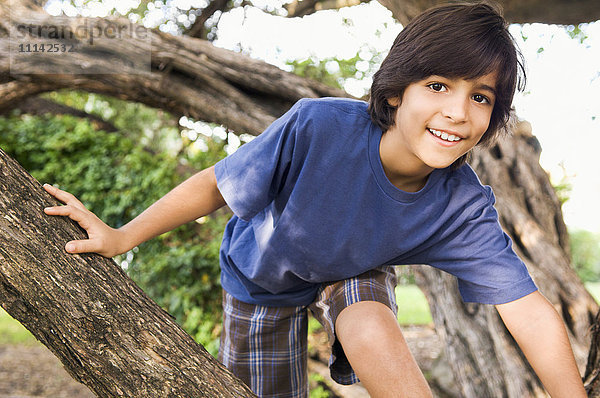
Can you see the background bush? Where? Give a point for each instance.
(117, 175)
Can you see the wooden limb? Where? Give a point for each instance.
(106, 331)
(530, 213)
(204, 82)
(483, 357)
(592, 370)
(198, 29)
(561, 12)
(300, 8)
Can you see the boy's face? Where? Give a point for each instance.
(438, 120)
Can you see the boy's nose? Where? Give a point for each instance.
(456, 109)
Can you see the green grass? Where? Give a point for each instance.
(12, 332)
(413, 308)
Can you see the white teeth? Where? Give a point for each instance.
(444, 136)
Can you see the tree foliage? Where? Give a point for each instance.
(585, 252)
(117, 177)
(339, 73)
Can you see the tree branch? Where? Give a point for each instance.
(300, 8)
(204, 82)
(561, 12)
(198, 29)
(106, 331)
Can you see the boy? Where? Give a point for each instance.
(334, 192)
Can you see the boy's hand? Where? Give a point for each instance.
(102, 239)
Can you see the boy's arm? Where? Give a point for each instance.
(195, 197)
(542, 336)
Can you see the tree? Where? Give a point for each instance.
(106, 331)
(189, 76)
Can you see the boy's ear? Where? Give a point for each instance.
(395, 101)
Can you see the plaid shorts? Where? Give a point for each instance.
(267, 346)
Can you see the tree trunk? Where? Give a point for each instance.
(108, 334)
(483, 356)
(592, 371)
(484, 360)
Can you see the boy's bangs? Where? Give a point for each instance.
(467, 60)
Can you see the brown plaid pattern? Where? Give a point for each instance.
(267, 346)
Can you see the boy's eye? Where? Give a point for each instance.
(482, 99)
(436, 86)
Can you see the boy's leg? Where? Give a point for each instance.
(378, 352)
(266, 347)
(359, 315)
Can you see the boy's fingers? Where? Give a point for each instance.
(63, 196)
(81, 246)
(74, 213)
(66, 210)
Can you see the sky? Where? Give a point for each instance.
(561, 100)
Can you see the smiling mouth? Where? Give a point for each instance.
(444, 136)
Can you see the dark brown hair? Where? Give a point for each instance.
(459, 40)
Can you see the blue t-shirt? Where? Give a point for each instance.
(312, 204)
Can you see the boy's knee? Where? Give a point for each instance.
(366, 323)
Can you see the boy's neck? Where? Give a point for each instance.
(406, 175)
(406, 183)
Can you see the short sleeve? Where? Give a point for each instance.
(250, 178)
(480, 255)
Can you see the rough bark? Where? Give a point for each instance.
(592, 371)
(481, 352)
(562, 12)
(106, 331)
(484, 360)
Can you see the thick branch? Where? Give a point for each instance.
(300, 8)
(530, 213)
(562, 12)
(201, 81)
(484, 360)
(106, 331)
